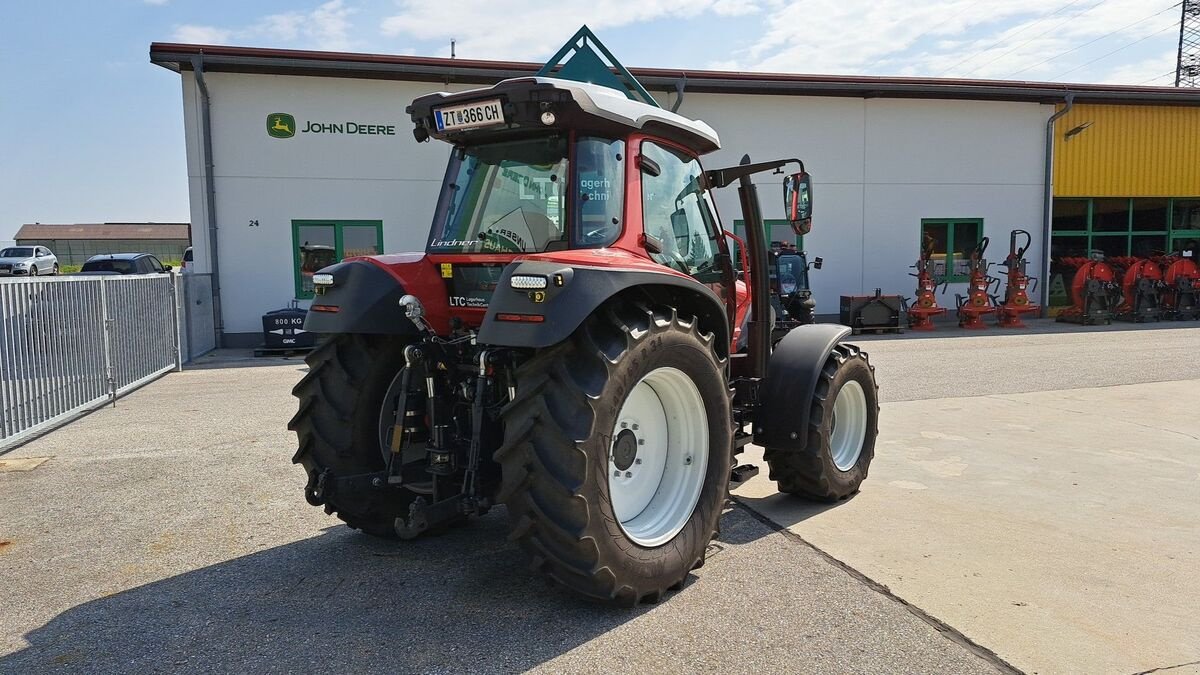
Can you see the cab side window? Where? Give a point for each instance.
(675, 212)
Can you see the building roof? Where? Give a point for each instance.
(40, 231)
(180, 57)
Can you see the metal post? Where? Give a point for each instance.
(175, 281)
(105, 329)
(4, 340)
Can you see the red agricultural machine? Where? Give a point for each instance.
(1141, 289)
(924, 306)
(568, 344)
(1181, 287)
(1095, 292)
(1016, 295)
(978, 301)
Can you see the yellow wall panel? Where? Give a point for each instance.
(1128, 151)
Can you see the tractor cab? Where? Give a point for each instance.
(542, 167)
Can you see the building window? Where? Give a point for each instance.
(952, 240)
(321, 243)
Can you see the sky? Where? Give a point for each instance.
(90, 131)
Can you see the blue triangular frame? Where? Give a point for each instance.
(581, 46)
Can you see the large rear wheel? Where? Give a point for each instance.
(617, 454)
(344, 396)
(843, 424)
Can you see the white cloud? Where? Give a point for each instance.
(485, 29)
(324, 27)
(958, 38)
(155, 2)
(206, 35)
(1155, 71)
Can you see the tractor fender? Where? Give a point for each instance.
(364, 298)
(555, 312)
(785, 395)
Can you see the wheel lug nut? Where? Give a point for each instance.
(635, 427)
(617, 474)
(641, 441)
(637, 461)
(629, 474)
(624, 425)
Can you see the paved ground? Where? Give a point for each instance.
(171, 534)
(1058, 529)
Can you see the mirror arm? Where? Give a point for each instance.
(719, 178)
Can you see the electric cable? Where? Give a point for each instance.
(1041, 34)
(928, 31)
(1170, 73)
(1095, 40)
(1006, 38)
(1104, 56)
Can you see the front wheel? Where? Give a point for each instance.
(843, 424)
(617, 454)
(33, 271)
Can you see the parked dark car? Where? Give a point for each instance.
(123, 263)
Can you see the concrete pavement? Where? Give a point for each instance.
(170, 534)
(1023, 494)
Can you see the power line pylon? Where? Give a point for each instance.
(1187, 66)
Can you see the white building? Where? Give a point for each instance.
(314, 149)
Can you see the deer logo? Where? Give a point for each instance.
(281, 125)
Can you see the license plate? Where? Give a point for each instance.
(469, 115)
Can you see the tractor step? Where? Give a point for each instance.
(742, 473)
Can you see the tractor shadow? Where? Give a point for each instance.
(777, 512)
(341, 601)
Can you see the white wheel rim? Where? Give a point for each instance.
(655, 486)
(849, 427)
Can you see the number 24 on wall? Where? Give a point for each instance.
(253, 222)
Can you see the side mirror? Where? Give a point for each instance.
(166, 268)
(817, 262)
(797, 201)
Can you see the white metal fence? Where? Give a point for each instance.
(71, 344)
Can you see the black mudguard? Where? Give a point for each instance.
(367, 299)
(785, 395)
(584, 289)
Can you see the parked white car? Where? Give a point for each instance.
(32, 261)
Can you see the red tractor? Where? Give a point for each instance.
(568, 346)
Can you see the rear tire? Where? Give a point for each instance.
(842, 426)
(337, 424)
(564, 440)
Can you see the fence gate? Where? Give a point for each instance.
(71, 344)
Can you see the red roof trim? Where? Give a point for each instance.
(164, 53)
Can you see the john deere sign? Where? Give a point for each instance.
(283, 125)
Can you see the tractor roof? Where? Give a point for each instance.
(577, 106)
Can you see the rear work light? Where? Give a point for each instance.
(333, 309)
(322, 280)
(527, 282)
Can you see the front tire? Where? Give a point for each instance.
(617, 454)
(843, 424)
(338, 425)
(33, 272)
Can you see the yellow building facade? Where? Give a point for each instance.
(1126, 183)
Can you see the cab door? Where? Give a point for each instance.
(678, 215)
